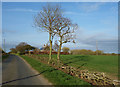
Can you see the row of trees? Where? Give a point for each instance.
(51, 19)
(22, 48)
(86, 52)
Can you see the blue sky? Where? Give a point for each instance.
(97, 22)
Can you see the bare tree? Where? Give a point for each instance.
(65, 31)
(46, 21)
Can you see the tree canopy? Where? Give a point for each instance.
(22, 47)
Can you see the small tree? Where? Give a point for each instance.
(47, 47)
(13, 50)
(36, 51)
(46, 21)
(65, 49)
(20, 47)
(98, 52)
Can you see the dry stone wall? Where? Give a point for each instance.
(95, 78)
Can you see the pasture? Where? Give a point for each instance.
(97, 63)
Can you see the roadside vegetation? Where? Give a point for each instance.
(5, 57)
(3, 54)
(89, 52)
(55, 76)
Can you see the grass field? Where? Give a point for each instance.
(100, 63)
(55, 76)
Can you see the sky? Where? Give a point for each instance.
(97, 21)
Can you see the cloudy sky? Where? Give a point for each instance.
(97, 22)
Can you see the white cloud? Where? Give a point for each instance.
(90, 7)
(22, 10)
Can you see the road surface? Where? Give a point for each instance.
(16, 72)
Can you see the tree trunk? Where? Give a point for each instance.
(59, 50)
(50, 53)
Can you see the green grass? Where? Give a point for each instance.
(57, 77)
(100, 63)
(4, 57)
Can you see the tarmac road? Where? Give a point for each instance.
(16, 72)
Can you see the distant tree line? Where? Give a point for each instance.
(86, 52)
(21, 48)
(89, 52)
(24, 48)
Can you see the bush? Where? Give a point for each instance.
(20, 53)
(65, 49)
(86, 52)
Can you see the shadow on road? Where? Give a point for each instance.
(27, 77)
(22, 78)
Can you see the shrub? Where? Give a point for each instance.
(65, 49)
(86, 52)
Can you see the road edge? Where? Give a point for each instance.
(35, 71)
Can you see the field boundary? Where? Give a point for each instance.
(106, 80)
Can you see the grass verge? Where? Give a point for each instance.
(4, 57)
(57, 77)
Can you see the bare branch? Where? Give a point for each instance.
(47, 18)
